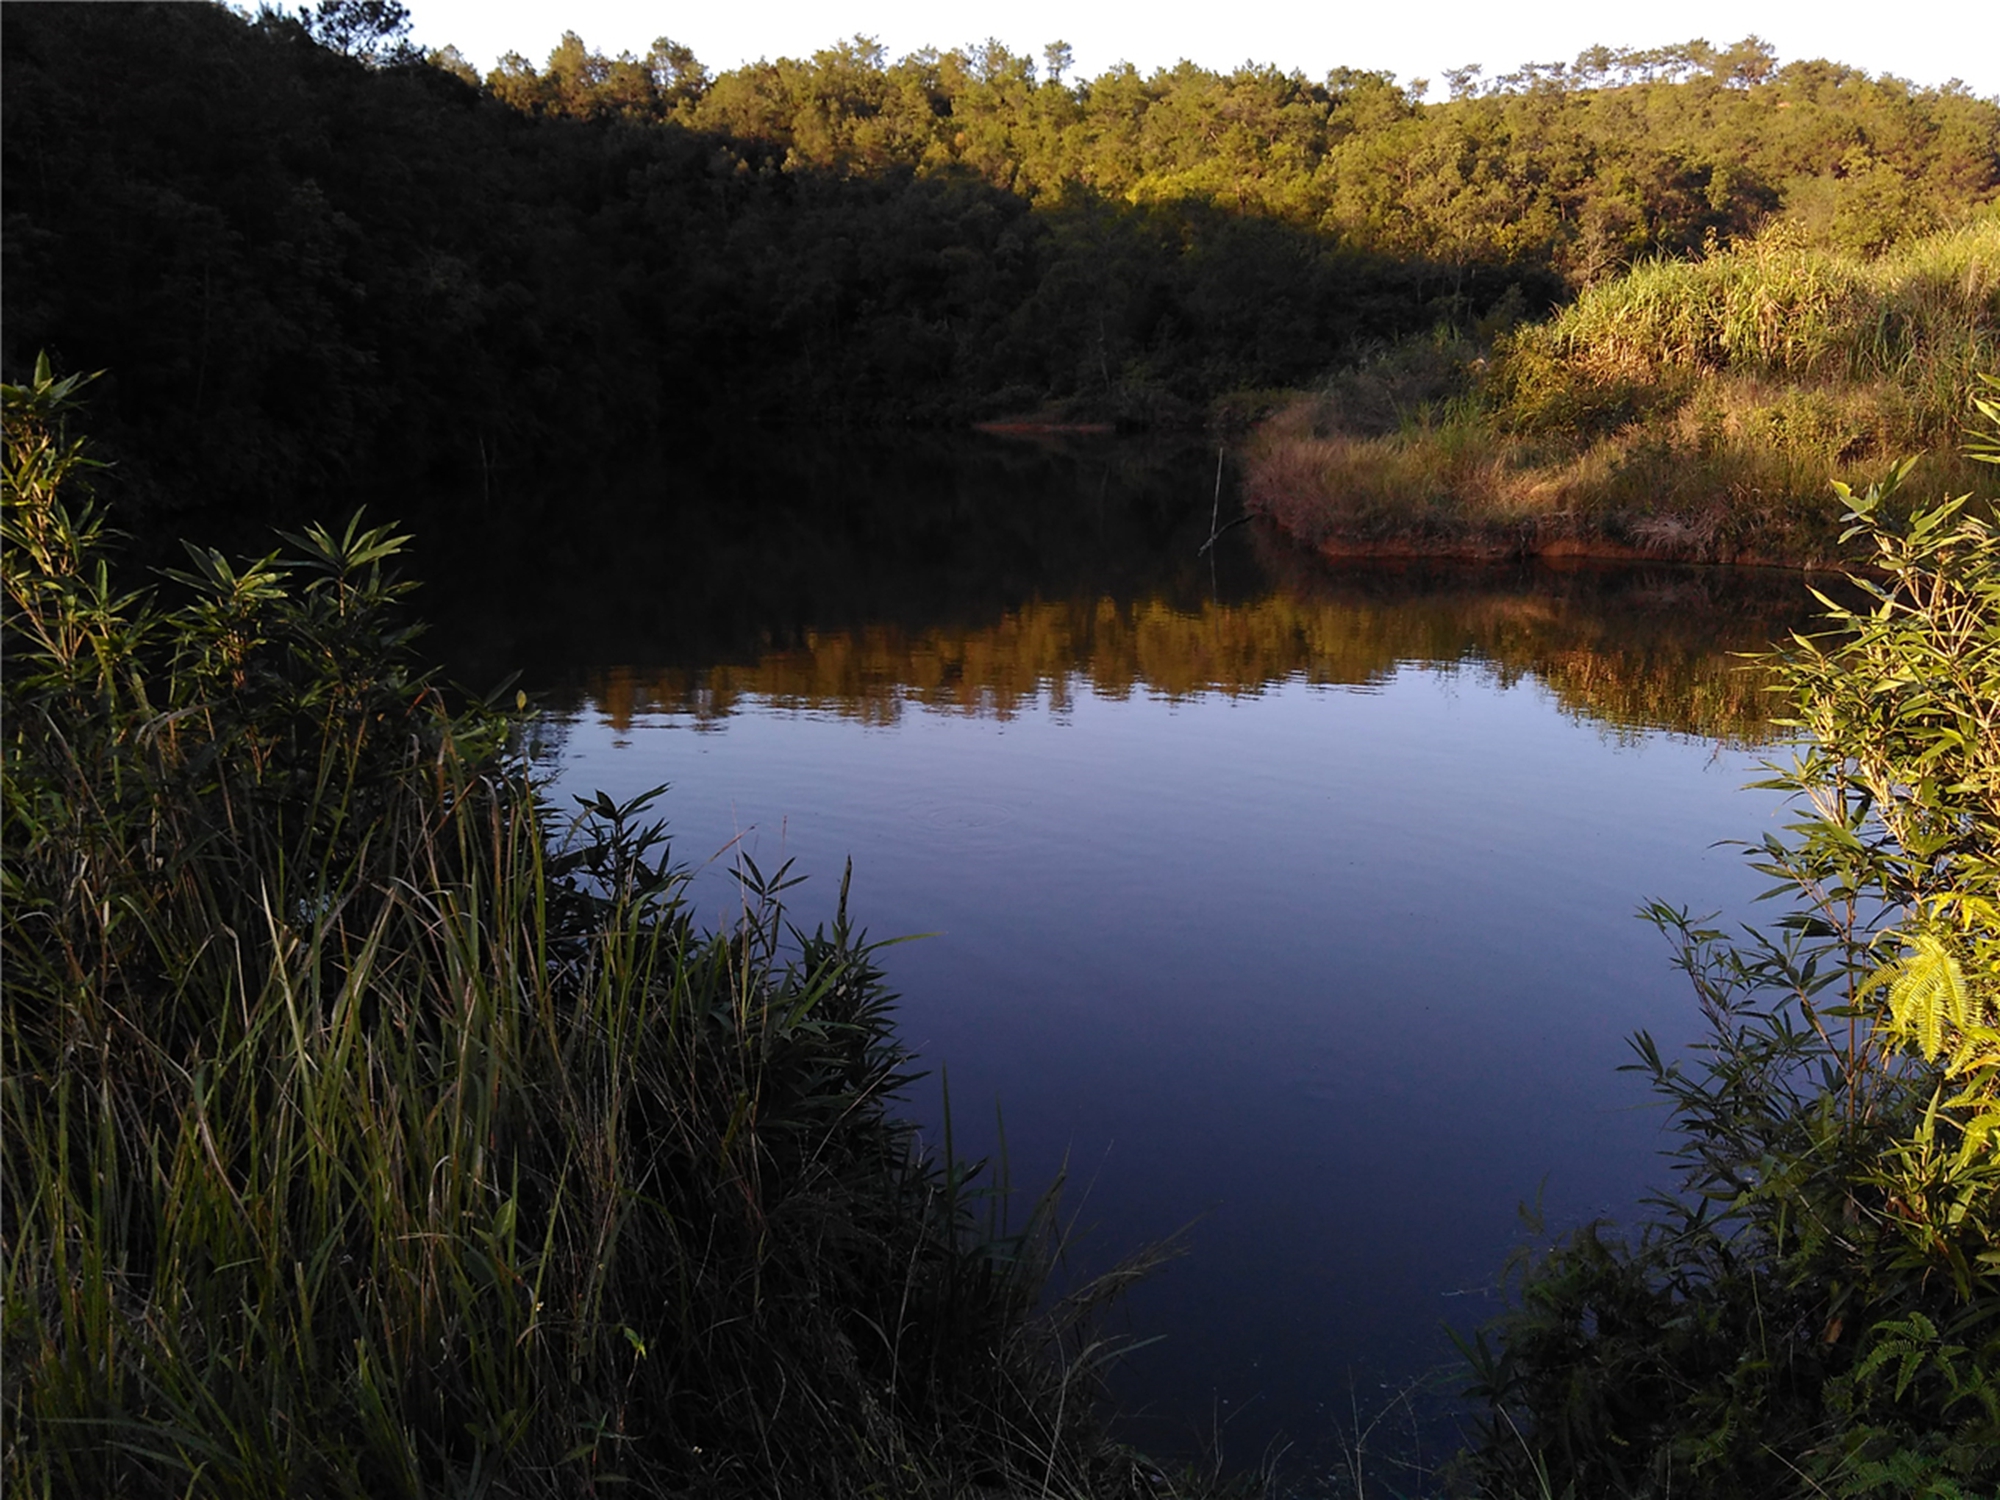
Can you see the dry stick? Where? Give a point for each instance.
(1215, 511)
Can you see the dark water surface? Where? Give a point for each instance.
(1290, 906)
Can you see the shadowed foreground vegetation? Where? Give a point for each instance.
(1694, 409)
(366, 1134)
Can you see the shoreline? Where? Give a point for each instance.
(1020, 428)
(1557, 552)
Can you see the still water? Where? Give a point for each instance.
(1288, 909)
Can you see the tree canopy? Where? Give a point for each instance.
(306, 253)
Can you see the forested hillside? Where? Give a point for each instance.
(307, 254)
(1577, 168)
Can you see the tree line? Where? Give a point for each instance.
(1581, 167)
(309, 254)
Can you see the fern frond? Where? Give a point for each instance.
(1926, 993)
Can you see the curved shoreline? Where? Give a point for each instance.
(1570, 551)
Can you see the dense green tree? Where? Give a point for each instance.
(309, 254)
(371, 30)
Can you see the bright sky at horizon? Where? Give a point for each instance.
(1929, 44)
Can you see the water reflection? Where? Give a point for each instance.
(1633, 650)
(860, 576)
(1291, 901)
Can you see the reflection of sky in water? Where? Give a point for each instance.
(1344, 974)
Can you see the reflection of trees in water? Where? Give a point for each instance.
(1632, 650)
(1629, 647)
(760, 541)
(860, 574)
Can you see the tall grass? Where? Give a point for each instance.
(365, 1136)
(1913, 324)
(1693, 409)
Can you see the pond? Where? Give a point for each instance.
(1286, 909)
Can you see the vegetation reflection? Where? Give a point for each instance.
(1651, 650)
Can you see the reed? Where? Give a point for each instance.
(367, 1131)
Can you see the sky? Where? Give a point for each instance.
(1929, 41)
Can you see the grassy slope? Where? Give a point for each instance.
(1688, 409)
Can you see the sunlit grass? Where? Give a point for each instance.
(1689, 409)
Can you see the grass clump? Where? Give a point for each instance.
(1695, 410)
(363, 1138)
